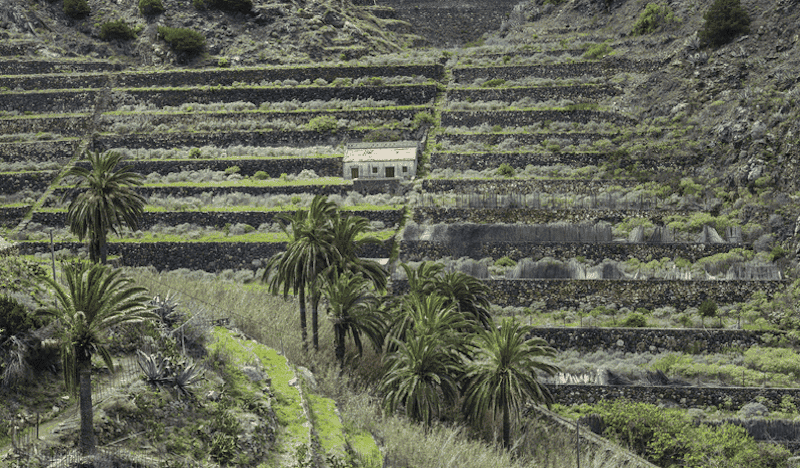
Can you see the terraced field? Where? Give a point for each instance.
(533, 179)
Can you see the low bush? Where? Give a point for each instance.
(150, 7)
(76, 8)
(119, 30)
(423, 118)
(597, 51)
(323, 124)
(635, 320)
(653, 17)
(725, 20)
(505, 170)
(182, 39)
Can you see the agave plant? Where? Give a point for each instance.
(185, 379)
(166, 309)
(156, 368)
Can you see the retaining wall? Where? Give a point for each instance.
(541, 93)
(84, 100)
(224, 77)
(566, 293)
(323, 167)
(38, 151)
(433, 214)
(74, 125)
(654, 340)
(217, 218)
(207, 256)
(608, 66)
(529, 117)
(17, 182)
(521, 139)
(618, 251)
(731, 398)
(226, 139)
(452, 22)
(11, 216)
(36, 67)
(481, 161)
(520, 186)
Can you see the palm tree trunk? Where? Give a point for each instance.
(86, 443)
(339, 337)
(94, 249)
(315, 319)
(103, 249)
(301, 297)
(506, 428)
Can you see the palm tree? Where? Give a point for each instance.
(95, 299)
(503, 374)
(347, 231)
(468, 294)
(428, 314)
(308, 253)
(108, 201)
(422, 376)
(352, 311)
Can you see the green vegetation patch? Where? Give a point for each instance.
(653, 17)
(182, 39)
(327, 424)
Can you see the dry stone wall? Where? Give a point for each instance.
(217, 218)
(492, 160)
(72, 126)
(416, 250)
(38, 151)
(177, 78)
(206, 256)
(732, 398)
(37, 67)
(35, 181)
(11, 216)
(435, 214)
(323, 167)
(526, 139)
(565, 293)
(521, 186)
(226, 139)
(518, 118)
(608, 66)
(541, 93)
(653, 340)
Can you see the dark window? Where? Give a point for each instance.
(374, 170)
(354, 172)
(405, 168)
(390, 172)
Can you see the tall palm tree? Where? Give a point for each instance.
(352, 311)
(95, 299)
(428, 314)
(347, 231)
(308, 253)
(422, 377)
(468, 294)
(503, 375)
(108, 201)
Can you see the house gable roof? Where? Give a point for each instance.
(381, 152)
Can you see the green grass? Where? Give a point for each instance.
(330, 430)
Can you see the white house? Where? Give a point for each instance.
(387, 160)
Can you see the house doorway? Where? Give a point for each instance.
(390, 172)
(354, 172)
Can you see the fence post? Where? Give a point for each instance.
(578, 441)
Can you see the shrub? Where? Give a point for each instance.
(597, 51)
(232, 170)
(150, 7)
(493, 83)
(725, 20)
(182, 39)
(707, 309)
(635, 320)
(195, 153)
(260, 175)
(423, 118)
(14, 318)
(223, 62)
(653, 17)
(322, 123)
(505, 262)
(382, 134)
(242, 6)
(506, 170)
(116, 30)
(76, 8)
(199, 4)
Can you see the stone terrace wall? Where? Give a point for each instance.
(517, 186)
(521, 139)
(218, 218)
(71, 126)
(226, 139)
(190, 191)
(607, 66)
(39, 151)
(452, 22)
(542, 93)
(323, 167)
(649, 294)
(686, 397)
(481, 161)
(83, 100)
(654, 340)
(11, 216)
(534, 216)
(619, 251)
(37, 67)
(517, 118)
(224, 77)
(36, 181)
(207, 256)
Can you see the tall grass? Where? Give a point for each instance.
(274, 322)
